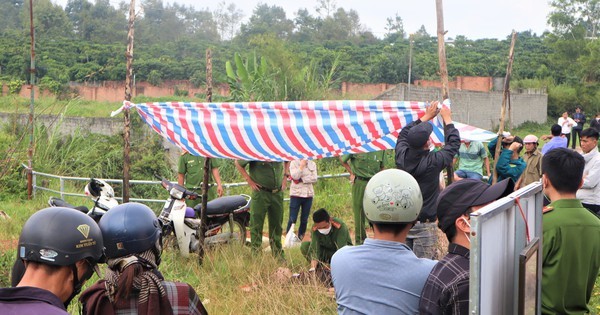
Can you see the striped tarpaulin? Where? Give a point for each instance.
(284, 131)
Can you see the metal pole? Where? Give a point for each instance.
(128, 92)
(31, 105)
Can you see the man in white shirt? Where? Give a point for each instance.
(566, 123)
(589, 193)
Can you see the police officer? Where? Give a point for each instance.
(267, 181)
(361, 167)
(191, 174)
(60, 248)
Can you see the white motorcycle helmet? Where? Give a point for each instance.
(99, 188)
(392, 196)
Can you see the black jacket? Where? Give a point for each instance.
(425, 166)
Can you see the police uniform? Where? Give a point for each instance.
(570, 257)
(267, 201)
(363, 166)
(193, 169)
(322, 247)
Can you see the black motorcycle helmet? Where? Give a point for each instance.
(130, 228)
(61, 237)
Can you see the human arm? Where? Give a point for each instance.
(238, 165)
(451, 145)
(591, 179)
(181, 170)
(519, 182)
(180, 179)
(309, 174)
(286, 174)
(344, 160)
(486, 161)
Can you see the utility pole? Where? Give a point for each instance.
(443, 67)
(505, 99)
(205, 185)
(410, 49)
(128, 92)
(31, 105)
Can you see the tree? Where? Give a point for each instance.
(394, 28)
(267, 20)
(10, 14)
(228, 19)
(325, 7)
(570, 14)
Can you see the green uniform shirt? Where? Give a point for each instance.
(471, 158)
(365, 164)
(266, 174)
(571, 257)
(193, 169)
(322, 247)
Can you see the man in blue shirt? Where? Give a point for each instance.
(383, 276)
(556, 141)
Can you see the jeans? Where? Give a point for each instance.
(295, 204)
(422, 238)
(468, 174)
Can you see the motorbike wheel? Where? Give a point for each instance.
(239, 233)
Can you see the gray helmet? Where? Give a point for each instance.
(392, 196)
(61, 237)
(130, 228)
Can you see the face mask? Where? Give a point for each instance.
(325, 231)
(469, 225)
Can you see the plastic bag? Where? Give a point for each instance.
(291, 239)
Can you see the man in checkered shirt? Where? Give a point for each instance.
(447, 288)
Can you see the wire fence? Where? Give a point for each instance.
(62, 190)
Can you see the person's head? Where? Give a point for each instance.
(565, 114)
(578, 109)
(61, 240)
(133, 241)
(556, 130)
(597, 115)
(562, 172)
(589, 140)
(418, 136)
(460, 198)
(322, 221)
(506, 144)
(531, 143)
(392, 201)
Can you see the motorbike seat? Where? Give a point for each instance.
(223, 205)
(57, 202)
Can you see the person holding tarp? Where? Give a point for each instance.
(414, 157)
(447, 288)
(571, 237)
(383, 276)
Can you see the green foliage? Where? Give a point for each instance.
(155, 78)
(14, 86)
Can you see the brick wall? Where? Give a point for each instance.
(482, 84)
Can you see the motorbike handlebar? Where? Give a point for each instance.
(168, 185)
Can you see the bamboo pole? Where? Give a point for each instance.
(31, 106)
(505, 97)
(443, 67)
(128, 93)
(205, 186)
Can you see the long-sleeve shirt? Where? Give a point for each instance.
(425, 166)
(589, 192)
(303, 179)
(506, 166)
(322, 247)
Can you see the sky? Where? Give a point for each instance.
(474, 19)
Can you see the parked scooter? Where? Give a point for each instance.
(227, 218)
(99, 191)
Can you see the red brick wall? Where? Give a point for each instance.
(481, 84)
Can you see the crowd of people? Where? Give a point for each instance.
(397, 270)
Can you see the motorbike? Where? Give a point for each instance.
(99, 191)
(227, 218)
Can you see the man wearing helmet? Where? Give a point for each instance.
(533, 159)
(383, 276)
(414, 157)
(132, 283)
(60, 248)
(447, 288)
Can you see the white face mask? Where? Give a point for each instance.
(469, 225)
(325, 231)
